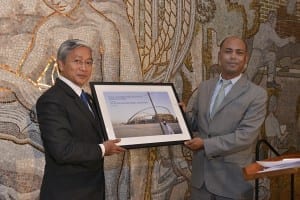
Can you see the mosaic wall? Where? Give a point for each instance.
(142, 41)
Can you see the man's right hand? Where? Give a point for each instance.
(111, 147)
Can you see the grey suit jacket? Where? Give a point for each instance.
(229, 137)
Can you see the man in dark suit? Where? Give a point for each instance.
(71, 132)
(227, 116)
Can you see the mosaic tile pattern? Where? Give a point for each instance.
(133, 41)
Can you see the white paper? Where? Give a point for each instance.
(280, 164)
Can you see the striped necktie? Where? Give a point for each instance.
(220, 96)
(84, 98)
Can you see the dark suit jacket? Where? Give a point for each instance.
(71, 136)
(229, 137)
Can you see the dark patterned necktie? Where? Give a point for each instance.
(84, 98)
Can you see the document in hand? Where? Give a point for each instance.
(280, 164)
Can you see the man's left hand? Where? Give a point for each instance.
(194, 144)
(111, 147)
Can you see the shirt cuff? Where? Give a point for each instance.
(102, 149)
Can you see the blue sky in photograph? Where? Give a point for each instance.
(123, 105)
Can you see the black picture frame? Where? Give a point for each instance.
(140, 114)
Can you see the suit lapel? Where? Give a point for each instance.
(238, 89)
(209, 93)
(85, 111)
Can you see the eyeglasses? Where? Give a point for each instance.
(88, 63)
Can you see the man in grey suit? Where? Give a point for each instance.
(226, 117)
(71, 132)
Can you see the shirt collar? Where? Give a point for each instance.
(233, 80)
(72, 85)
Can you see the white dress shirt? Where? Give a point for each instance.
(218, 87)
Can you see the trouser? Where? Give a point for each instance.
(204, 194)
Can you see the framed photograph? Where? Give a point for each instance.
(140, 114)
